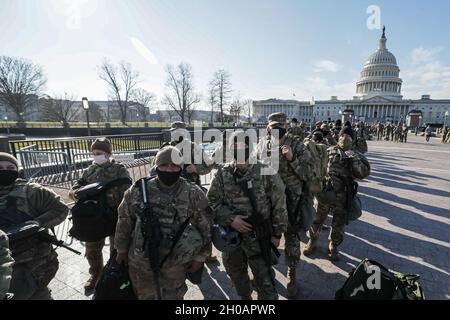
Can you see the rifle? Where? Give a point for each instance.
(151, 231)
(350, 186)
(33, 230)
(261, 226)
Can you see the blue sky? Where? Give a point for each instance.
(271, 48)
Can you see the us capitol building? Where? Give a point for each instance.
(378, 98)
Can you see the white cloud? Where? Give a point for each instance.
(426, 74)
(326, 66)
(421, 55)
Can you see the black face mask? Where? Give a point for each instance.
(7, 177)
(168, 178)
(281, 132)
(237, 151)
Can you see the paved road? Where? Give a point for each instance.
(405, 226)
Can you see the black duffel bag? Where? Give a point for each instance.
(92, 218)
(363, 284)
(114, 283)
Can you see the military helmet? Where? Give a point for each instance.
(177, 125)
(225, 239)
(276, 119)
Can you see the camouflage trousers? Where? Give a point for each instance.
(94, 254)
(172, 280)
(338, 223)
(30, 278)
(236, 265)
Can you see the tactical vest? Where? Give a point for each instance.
(235, 197)
(172, 209)
(15, 210)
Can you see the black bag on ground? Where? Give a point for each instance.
(114, 283)
(92, 218)
(362, 284)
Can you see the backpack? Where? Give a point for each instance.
(92, 218)
(393, 285)
(360, 167)
(114, 283)
(319, 162)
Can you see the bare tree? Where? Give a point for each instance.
(121, 80)
(143, 101)
(236, 109)
(21, 82)
(247, 109)
(181, 96)
(171, 114)
(221, 86)
(60, 109)
(96, 113)
(212, 100)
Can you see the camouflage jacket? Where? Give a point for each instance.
(293, 173)
(41, 204)
(298, 132)
(6, 263)
(173, 206)
(104, 173)
(343, 166)
(228, 199)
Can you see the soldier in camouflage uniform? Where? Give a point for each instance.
(36, 261)
(295, 169)
(232, 206)
(296, 129)
(337, 129)
(328, 137)
(174, 200)
(103, 169)
(339, 175)
(192, 171)
(6, 263)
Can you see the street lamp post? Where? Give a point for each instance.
(445, 118)
(7, 126)
(312, 103)
(86, 108)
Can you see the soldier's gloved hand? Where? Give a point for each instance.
(286, 151)
(195, 266)
(122, 258)
(276, 242)
(191, 169)
(240, 225)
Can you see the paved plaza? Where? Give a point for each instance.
(405, 226)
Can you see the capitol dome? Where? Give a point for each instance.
(380, 75)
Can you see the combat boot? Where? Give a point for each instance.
(292, 287)
(333, 252)
(92, 281)
(310, 247)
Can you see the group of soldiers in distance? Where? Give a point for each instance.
(244, 213)
(396, 132)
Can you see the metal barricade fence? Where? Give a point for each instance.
(45, 167)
